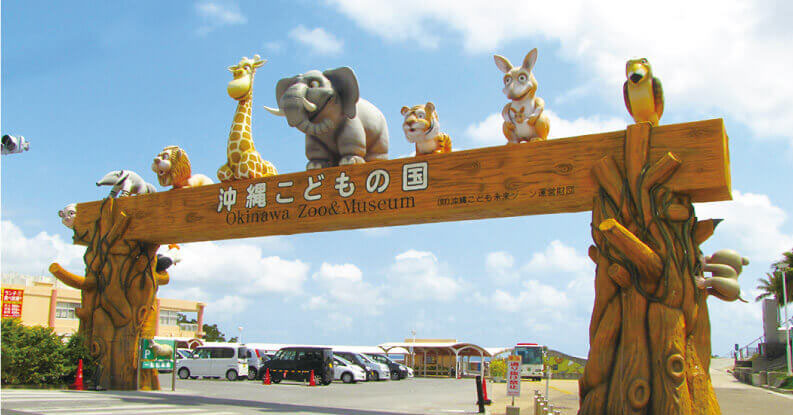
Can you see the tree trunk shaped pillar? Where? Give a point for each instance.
(118, 297)
(650, 331)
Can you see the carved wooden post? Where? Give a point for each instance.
(650, 332)
(118, 293)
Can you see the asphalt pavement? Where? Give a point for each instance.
(221, 397)
(735, 398)
(411, 396)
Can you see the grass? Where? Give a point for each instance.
(787, 383)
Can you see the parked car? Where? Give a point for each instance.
(183, 354)
(296, 363)
(256, 358)
(398, 371)
(180, 354)
(346, 371)
(229, 360)
(374, 370)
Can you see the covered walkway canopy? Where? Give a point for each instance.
(440, 357)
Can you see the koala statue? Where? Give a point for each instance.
(67, 215)
(725, 266)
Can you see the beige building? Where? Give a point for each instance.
(47, 302)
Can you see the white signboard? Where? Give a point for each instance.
(513, 376)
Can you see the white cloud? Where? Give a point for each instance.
(551, 300)
(413, 254)
(534, 296)
(499, 260)
(417, 275)
(33, 256)
(753, 226)
(488, 132)
(315, 303)
(218, 13)
(332, 273)
(343, 288)
(217, 264)
(318, 40)
(752, 223)
(226, 307)
(375, 232)
(556, 289)
(559, 257)
(709, 54)
(186, 293)
(273, 46)
(499, 266)
(562, 128)
(338, 321)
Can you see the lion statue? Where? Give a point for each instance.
(173, 169)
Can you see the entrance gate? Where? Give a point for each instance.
(649, 333)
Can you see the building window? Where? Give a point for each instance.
(167, 318)
(192, 327)
(65, 310)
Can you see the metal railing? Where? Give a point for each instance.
(750, 350)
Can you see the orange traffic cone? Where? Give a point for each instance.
(311, 381)
(78, 380)
(484, 391)
(266, 377)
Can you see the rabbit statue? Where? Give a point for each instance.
(524, 119)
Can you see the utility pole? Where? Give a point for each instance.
(787, 325)
(412, 355)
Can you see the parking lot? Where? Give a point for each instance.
(411, 396)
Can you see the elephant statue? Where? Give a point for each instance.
(341, 128)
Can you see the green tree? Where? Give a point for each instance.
(31, 355)
(75, 350)
(211, 333)
(498, 368)
(772, 285)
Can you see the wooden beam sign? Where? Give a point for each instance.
(527, 179)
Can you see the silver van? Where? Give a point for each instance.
(374, 370)
(228, 360)
(256, 359)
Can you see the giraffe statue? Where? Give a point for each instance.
(243, 161)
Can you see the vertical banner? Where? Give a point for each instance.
(12, 303)
(513, 376)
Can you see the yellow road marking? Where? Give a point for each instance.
(560, 390)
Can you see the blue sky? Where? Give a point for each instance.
(97, 87)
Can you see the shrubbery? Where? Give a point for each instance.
(498, 368)
(38, 356)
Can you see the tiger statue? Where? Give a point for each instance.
(422, 128)
(173, 169)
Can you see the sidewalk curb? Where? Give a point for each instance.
(778, 390)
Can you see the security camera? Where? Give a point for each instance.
(11, 144)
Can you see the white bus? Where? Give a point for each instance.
(531, 360)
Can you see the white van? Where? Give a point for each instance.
(229, 360)
(347, 372)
